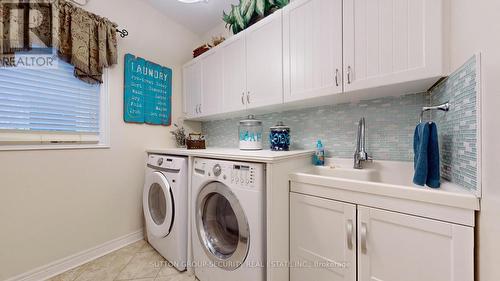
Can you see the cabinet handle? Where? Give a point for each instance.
(200, 108)
(243, 98)
(349, 74)
(337, 77)
(349, 230)
(196, 109)
(364, 233)
(248, 97)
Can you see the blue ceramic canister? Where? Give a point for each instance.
(279, 137)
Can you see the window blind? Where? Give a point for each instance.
(49, 100)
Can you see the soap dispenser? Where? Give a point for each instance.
(319, 155)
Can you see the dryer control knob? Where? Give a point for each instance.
(217, 170)
(160, 161)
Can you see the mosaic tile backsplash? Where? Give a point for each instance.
(390, 125)
(458, 128)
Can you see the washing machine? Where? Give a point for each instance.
(228, 237)
(165, 205)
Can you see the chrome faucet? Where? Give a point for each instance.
(360, 154)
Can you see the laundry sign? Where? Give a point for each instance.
(148, 92)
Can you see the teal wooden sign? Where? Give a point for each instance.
(148, 92)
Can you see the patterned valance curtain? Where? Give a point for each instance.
(86, 41)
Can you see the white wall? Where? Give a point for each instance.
(475, 26)
(57, 203)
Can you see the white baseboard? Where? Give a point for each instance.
(65, 264)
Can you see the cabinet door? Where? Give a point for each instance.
(192, 88)
(265, 62)
(322, 239)
(212, 83)
(395, 247)
(312, 48)
(234, 75)
(392, 41)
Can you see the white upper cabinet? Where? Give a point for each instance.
(392, 41)
(395, 247)
(235, 80)
(212, 83)
(322, 232)
(192, 86)
(265, 62)
(312, 48)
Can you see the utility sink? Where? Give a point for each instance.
(385, 178)
(368, 174)
(381, 172)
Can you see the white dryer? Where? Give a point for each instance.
(165, 201)
(228, 201)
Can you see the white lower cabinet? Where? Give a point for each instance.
(390, 246)
(322, 239)
(395, 247)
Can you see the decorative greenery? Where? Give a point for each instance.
(180, 136)
(249, 11)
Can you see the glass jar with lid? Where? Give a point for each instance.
(279, 137)
(250, 134)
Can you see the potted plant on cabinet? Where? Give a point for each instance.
(248, 12)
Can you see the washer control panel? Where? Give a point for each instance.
(242, 174)
(173, 163)
(238, 174)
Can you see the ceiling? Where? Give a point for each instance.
(199, 17)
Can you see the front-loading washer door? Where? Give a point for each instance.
(222, 226)
(158, 205)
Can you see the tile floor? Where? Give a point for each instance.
(136, 262)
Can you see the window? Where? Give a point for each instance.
(49, 107)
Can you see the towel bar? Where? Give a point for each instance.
(443, 107)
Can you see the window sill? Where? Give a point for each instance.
(53, 147)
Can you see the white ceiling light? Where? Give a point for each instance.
(193, 1)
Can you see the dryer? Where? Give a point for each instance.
(165, 201)
(228, 201)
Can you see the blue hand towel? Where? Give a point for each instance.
(433, 174)
(426, 162)
(420, 144)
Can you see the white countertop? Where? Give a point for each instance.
(264, 156)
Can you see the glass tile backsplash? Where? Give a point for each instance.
(458, 128)
(390, 123)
